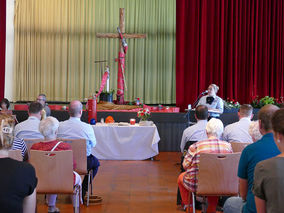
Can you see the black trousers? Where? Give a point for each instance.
(92, 164)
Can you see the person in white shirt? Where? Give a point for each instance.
(238, 131)
(29, 129)
(196, 132)
(74, 128)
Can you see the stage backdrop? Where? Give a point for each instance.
(239, 45)
(56, 47)
(2, 46)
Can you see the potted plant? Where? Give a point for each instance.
(107, 96)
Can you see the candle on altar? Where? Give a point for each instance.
(132, 121)
(107, 70)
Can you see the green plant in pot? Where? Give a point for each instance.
(107, 96)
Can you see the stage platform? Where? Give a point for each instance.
(170, 125)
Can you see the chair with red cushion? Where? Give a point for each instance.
(23, 107)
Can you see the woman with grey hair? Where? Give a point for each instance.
(187, 180)
(214, 103)
(254, 131)
(48, 128)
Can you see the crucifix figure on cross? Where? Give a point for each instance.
(122, 52)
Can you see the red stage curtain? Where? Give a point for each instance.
(2, 46)
(237, 45)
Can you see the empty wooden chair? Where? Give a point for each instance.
(238, 146)
(217, 175)
(54, 171)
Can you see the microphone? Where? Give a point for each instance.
(206, 91)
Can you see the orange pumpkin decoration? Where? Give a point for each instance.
(109, 119)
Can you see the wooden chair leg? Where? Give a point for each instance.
(77, 200)
(88, 193)
(193, 201)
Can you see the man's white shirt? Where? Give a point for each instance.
(74, 128)
(238, 131)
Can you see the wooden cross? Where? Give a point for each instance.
(121, 54)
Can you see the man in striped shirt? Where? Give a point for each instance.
(187, 181)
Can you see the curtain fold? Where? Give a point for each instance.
(2, 46)
(237, 45)
(56, 48)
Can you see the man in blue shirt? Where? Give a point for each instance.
(74, 128)
(263, 149)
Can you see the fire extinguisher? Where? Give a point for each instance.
(92, 110)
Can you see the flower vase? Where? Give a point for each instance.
(145, 123)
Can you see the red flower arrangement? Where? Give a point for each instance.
(144, 114)
(231, 103)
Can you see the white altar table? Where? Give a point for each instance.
(131, 142)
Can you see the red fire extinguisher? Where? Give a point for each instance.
(92, 110)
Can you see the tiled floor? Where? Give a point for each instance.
(133, 187)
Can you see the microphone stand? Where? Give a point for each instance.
(197, 100)
(187, 115)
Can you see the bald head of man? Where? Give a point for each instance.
(75, 108)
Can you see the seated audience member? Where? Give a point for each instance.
(42, 100)
(262, 149)
(268, 186)
(254, 131)
(212, 101)
(187, 180)
(5, 104)
(197, 131)
(74, 128)
(238, 131)
(18, 179)
(28, 129)
(48, 128)
(18, 143)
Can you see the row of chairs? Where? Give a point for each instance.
(223, 179)
(55, 169)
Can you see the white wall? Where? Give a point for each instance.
(9, 50)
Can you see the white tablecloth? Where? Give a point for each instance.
(126, 142)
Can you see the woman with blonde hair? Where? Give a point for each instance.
(214, 103)
(254, 131)
(18, 179)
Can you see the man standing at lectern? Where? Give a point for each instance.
(74, 128)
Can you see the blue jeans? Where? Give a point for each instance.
(233, 205)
